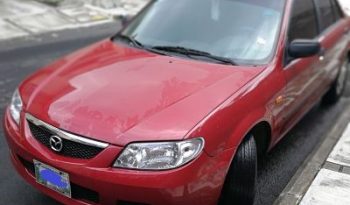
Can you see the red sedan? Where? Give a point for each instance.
(176, 108)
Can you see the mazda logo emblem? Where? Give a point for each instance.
(56, 143)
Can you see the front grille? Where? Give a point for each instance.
(78, 192)
(70, 148)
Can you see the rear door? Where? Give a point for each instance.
(333, 39)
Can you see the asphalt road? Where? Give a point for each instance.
(275, 170)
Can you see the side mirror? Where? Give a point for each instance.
(125, 19)
(301, 48)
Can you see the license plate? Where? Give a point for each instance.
(52, 178)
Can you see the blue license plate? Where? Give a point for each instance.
(52, 178)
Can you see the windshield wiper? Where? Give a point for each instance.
(193, 52)
(136, 43)
(129, 39)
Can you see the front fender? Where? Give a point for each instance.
(242, 129)
(226, 128)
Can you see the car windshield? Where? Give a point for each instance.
(242, 30)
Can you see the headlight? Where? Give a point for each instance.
(16, 106)
(159, 155)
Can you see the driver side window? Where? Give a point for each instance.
(303, 23)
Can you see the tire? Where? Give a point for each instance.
(240, 183)
(338, 87)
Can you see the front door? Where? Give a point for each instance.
(302, 75)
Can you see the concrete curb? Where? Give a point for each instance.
(13, 48)
(300, 182)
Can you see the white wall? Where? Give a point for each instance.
(346, 5)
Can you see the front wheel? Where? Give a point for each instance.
(338, 87)
(240, 184)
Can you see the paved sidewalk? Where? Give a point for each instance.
(21, 18)
(324, 177)
(332, 184)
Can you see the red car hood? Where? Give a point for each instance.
(119, 95)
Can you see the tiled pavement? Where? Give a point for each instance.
(20, 18)
(332, 184)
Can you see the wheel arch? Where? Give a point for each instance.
(261, 131)
(262, 135)
(258, 124)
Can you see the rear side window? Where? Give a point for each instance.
(327, 17)
(303, 21)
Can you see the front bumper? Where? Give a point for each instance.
(94, 181)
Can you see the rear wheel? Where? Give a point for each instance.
(338, 86)
(240, 184)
